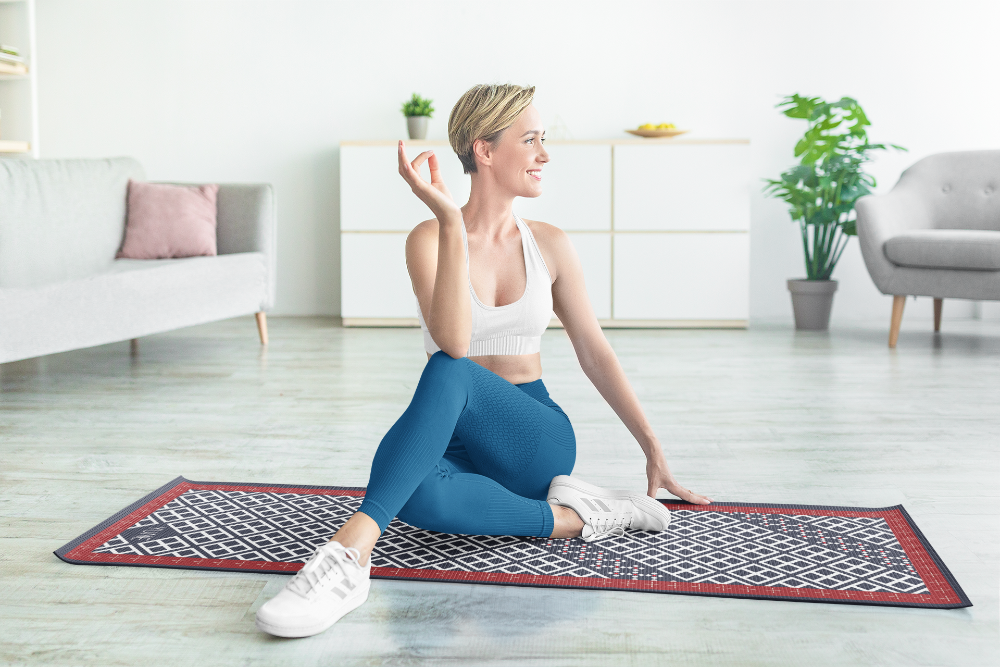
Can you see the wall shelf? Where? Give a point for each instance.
(19, 92)
(7, 146)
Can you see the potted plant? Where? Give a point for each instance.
(821, 191)
(417, 110)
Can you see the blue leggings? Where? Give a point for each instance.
(473, 454)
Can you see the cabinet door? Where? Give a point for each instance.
(595, 256)
(373, 196)
(677, 276)
(373, 279)
(692, 187)
(576, 189)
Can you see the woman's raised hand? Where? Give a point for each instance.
(435, 194)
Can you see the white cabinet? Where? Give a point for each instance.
(661, 228)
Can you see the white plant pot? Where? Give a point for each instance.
(417, 127)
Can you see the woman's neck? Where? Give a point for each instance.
(488, 211)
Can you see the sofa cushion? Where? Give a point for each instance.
(61, 219)
(946, 249)
(166, 221)
(131, 298)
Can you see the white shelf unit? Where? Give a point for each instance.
(19, 92)
(661, 227)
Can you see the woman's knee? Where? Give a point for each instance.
(443, 366)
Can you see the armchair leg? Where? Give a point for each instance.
(937, 314)
(262, 327)
(898, 301)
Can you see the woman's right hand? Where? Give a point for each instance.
(435, 194)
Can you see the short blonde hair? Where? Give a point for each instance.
(484, 112)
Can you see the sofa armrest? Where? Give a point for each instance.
(879, 218)
(246, 223)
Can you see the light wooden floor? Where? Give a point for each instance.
(764, 415)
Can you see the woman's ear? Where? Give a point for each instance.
(483, 152)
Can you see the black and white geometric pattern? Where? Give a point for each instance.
(699, 546)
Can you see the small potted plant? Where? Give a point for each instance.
(417, 110)
(821, 191)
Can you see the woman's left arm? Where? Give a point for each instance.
(600, 363)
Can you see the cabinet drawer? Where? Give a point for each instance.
(576, 189)
(595, 256)
(682, 187)
(373, 196)
(374, 281)
(678, 276)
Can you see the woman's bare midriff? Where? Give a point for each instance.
(515, 368)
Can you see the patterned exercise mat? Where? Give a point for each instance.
(775, 552)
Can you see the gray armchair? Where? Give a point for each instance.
(936, 233)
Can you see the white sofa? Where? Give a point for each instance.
(61, 288)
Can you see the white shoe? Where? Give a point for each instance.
(607, 512)
(329, 585)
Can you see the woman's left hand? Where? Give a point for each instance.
(659, 476)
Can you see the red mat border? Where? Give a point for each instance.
(944, 591)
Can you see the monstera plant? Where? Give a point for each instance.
(821, 191)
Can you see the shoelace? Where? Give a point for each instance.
(320, 566)
(605, 528)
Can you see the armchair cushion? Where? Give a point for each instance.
(945, 249)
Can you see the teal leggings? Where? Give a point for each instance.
(472, 454)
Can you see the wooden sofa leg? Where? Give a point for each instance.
(937, 314)
(898, 302)
(262, 327)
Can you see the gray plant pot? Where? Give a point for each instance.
(811, 303)
(417, 127)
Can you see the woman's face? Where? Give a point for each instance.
(517, 160)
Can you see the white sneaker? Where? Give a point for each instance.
(607, 512)
(329, 585)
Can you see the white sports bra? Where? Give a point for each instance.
(516, 328)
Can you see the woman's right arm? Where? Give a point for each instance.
(435, 259)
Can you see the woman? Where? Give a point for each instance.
(482, 449)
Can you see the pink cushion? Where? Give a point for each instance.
(169, 221)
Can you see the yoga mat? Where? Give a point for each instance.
(848, 555)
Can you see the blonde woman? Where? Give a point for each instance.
(482, 449)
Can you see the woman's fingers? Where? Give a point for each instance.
(432, 164)
(419, 160)
(697, 499)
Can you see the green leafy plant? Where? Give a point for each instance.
(418, 106)
(822, 189)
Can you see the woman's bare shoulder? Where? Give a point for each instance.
(423, 233)
(552, 241)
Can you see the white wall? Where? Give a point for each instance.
(219, 90)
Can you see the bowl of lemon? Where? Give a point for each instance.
(649, 130)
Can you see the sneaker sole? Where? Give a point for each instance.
(316, 628)
(650, 505)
